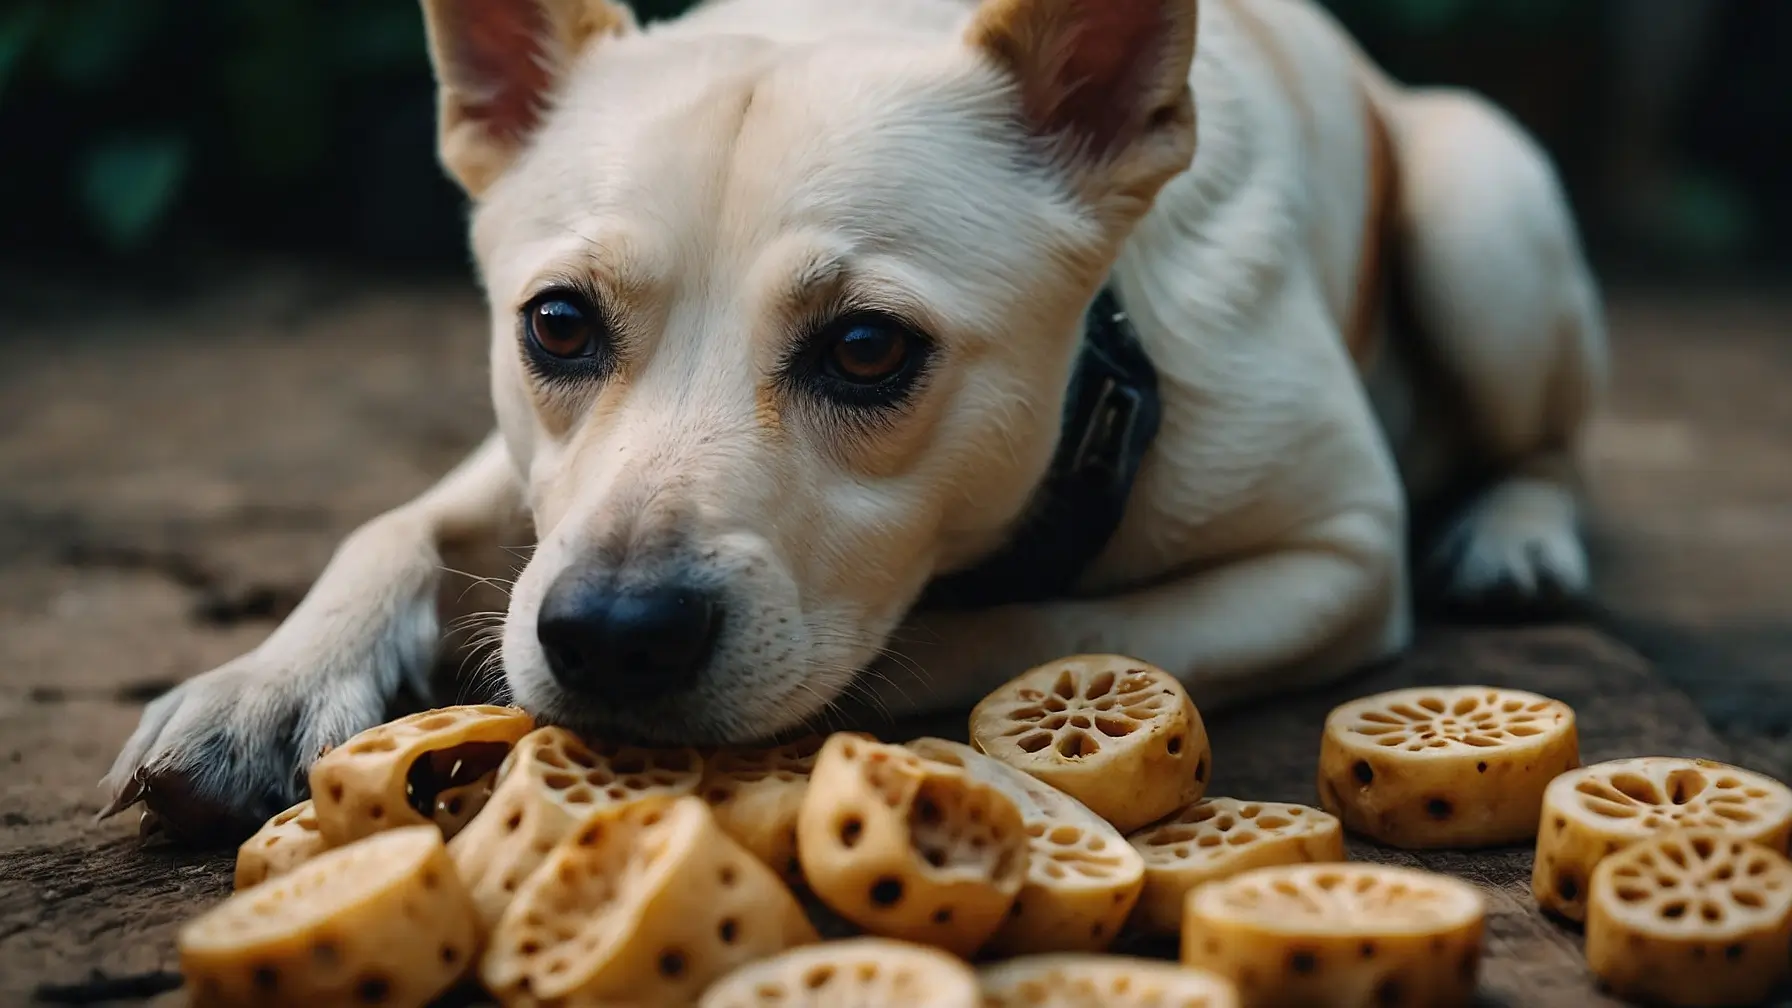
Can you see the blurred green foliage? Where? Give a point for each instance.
(140, 123)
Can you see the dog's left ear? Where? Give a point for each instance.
(498, 63)
(1104, 82)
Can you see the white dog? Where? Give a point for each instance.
(1125, 325)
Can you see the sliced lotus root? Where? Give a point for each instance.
(1082, 878)
(380, 922)
(647, 903)
(550, 784)
(287, 841)
(1598, 810)
(1217, 838)
(854, 973)
(1340, 935)
(909, 848)
(1117, 734)
(391, 775)
(1099, 981)
(1691, 917)
(1460, 766)
(756, 793)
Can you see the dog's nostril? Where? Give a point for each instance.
(627, 644)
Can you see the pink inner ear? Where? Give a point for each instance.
(1089, 70)
(499, 70)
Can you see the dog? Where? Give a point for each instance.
(791, 304)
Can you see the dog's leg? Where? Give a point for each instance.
(1510, 314)
(232, 747)
(1511, 320)
(1324, 602)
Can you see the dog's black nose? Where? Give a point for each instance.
(626, 644)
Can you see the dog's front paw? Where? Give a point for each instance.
(1515, 552)
(221, 753)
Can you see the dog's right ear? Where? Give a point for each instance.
(497, 64)
(1106, 82)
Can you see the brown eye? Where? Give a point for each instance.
(868, 352)
(563, 325)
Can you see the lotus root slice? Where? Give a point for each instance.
(550, 784)
(323, 933)
(1343, 935)
(1073, 981)
(756, 795)
(909, 848)
(1117, 734)
(1598, 810)
(391, 775)
(1217, 838)
(1082, 878)
(853, 971)
(647, 901)
(1445, 766)
(287, 841)
(1692, 917)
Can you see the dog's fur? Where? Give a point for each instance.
(1358, 297)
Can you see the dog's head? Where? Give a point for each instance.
(782, 329)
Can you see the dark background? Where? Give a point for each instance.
(164, 135)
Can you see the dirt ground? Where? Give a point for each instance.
(170, 479)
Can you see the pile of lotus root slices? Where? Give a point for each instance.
(465, 848)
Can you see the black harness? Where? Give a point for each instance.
(1111, 416)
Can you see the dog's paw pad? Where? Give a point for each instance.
(1517, 546)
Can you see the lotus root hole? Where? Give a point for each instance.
(1637, 788)
(376, 811)
(886, 892)
(1567, 886)
(818, 977)
(373, 989)
(1201, 771)
(266, 977)
(851, 828)
(373, 745)
(1272, 822)
(727, 875)
(1365, 774)
(1439, 808)
(728, 930)
(671, 964)
(515, 820)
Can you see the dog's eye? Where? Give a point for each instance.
(867, 350)
(563, 324)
